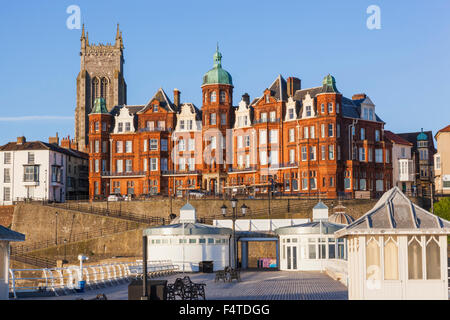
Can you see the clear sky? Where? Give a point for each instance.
(404, 66)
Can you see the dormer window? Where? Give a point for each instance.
(213, 96)
(182, 124)
(291, 113)
(120, 127)
(308, 111)
(127, 127)
(370, 114)
(222, 96)
(330, 107)
(155, 108)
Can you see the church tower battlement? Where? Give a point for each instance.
(101, 76)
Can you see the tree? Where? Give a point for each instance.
(442, 208)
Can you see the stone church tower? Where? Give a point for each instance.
(101, 76)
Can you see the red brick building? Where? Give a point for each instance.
(291, 140)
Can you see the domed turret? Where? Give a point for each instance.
(339, 216)
(217, 75)
(422, 136)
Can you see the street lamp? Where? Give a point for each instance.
(65, 251)
(244, 208)
(56, 228)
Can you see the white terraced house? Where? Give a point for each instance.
(33, 170)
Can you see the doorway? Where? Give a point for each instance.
(291, 257)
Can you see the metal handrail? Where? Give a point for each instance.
(66, 280)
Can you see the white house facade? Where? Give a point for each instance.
(33, 170)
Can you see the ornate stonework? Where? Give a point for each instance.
(101, 75)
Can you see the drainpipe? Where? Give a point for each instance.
(144, 269)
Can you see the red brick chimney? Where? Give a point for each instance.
(176, 97)
(293, 84)
(21, 140)
(54, 140)
(359, 96)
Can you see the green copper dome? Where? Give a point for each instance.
(99, 106)
(217, 75)
(329, 84)
(422, 136)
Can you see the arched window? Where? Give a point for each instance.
(373, 259)
(104, 88)
(390, 258)
(223, 96)
(95, 89)
(433, 258)
(213, 96)
(414, 258)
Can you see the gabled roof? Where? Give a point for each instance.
(278, 90)
(446, 129)
(299, 95)
(394, 213)
(39, 145)
(164, 102)
(320, 205)
(10, 235)
(396, 139)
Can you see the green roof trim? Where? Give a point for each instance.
(329, 84)
(217, 75)
(99, 106)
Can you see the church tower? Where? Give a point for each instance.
(101, 76)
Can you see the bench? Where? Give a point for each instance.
(185, 289)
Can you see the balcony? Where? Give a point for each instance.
(180, 172)
(276, 120)
(109, 174)
(406, 170)
(155, 129)
(242, 169)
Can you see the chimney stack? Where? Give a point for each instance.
(293, 84)
(21, 140)
(176, 97)
(359, 96)
(246, 98)
(54, 140)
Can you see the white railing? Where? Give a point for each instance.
(66, 280)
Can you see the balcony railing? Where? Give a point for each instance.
(155, 129)
(123, 174)
(242, 169)
(179, 172)
(267, 120)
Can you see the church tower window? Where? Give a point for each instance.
(104, 88)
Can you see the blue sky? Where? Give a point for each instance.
(404, 67)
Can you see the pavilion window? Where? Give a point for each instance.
(212, 119)
(373, 264)
(390, 258)
(213, 96)
(331, 248)
(330, 107)
(414, 258)
(312, 248)
(322, 108)
(223, 119)
(322, 248)
(96, 125)
(433, 259)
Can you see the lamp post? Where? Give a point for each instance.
(234, 216)
(65, 250)
(56, 228)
